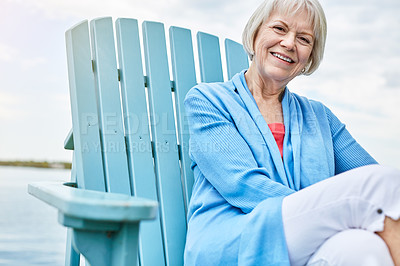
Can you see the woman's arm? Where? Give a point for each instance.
(348, 153)
(225, 159)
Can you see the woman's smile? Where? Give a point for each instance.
(283, 57)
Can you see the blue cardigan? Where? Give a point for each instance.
(240, 178)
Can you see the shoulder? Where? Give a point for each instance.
(212, 90)
(219, 95)
(320, 111)
(316, 106)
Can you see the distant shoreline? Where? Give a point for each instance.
(38, 164)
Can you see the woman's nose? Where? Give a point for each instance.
(288, 41)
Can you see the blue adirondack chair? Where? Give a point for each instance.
(130, 140)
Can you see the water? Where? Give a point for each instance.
(29, 231)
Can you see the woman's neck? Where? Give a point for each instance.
(264, 90)
(268, 96)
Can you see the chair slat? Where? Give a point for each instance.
(185, 78)
(72, 257)
(138, 135)
(109, 105)
(236, 58)
(209, 57)
(88, 161)
(165, 143)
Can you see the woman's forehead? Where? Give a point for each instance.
(294, 11)
(295, 14)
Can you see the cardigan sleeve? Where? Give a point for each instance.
(225, 159)
(348, 153)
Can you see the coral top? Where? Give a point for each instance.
(278, 131)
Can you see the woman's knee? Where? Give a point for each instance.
(381, 171)
(378, 180)
(352, 247)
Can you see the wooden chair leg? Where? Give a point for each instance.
(102, 248)
(126, 245)
(72, 258)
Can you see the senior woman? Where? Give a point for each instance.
(278, 178)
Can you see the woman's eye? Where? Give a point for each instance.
(305, 40)
(279, 28)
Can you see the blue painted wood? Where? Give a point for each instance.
(73, 178)
(94, 205)
(184, 78)
(105, 225)
(114, 248)
(209, 57)
(138, 136)
(88, 161)
(107, 222)
(109, 106)
(95, 245)
(123, 246)
(165, 143)
(236, 58)
(69, 141)
(72, 258)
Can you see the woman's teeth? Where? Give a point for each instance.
(283, 57)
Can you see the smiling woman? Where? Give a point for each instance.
(282, 49)
(258, 200)
(358, 79)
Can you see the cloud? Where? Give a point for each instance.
(361, 67)
(391, 77)
(9, 109)
(32, 62)
(7, 53)
(226, 18)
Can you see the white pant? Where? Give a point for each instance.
(314, 217)
(352, 247)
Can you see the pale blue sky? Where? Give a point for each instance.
(358, 79)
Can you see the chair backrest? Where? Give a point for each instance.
(130, 133)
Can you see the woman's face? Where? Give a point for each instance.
(283, 46)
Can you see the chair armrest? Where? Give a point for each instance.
(69, 141)
(94, 205)
(105, 226)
